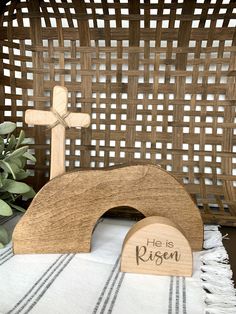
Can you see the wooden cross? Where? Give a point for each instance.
(57, 119)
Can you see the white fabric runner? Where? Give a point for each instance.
(91, 283)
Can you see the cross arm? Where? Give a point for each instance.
(75, 119)
(41, 117)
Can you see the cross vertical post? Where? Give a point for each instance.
(57, 119)
(59, 105)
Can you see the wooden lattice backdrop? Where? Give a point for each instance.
(156, 76)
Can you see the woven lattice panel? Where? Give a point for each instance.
(157, 78)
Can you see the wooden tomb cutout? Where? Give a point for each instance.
(155, 245)
(63, 214)
(57, 119)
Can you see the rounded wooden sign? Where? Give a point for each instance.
(155, 245)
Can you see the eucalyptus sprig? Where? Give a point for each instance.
(14, 153)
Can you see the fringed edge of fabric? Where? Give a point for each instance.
(216, 274)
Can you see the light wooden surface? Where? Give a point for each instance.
(63, 214)
(40, 117)
(155, 245)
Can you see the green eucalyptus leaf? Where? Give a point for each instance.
(13, 157)
(29, 156)
(1, 245)
(1, 149)
(4, 166)
(7, 168)
(14, 168)
(2, 145)
(16, 187)
(17, 162)
(4, 175)
(7, 127)
(20, 138)
(6, 196)
(17, 153)
(23, 161)
(29, 194)
(11, 143)
(22, 174)
(4, 238)
(19, 208)
(5, 209)
(27, 141)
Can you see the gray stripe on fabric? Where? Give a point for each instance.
(6, 252)
(8, 218)
(116, 293)
(48, 285)
(105, 286)
(6, 259)
(110, 292)
(5, 255)
(177, 296)
(35, 285)
(170, 295)
(184, 297)
(41, 284)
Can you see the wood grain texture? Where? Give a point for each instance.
(155, 245)
(63, 214)
(59, 111)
